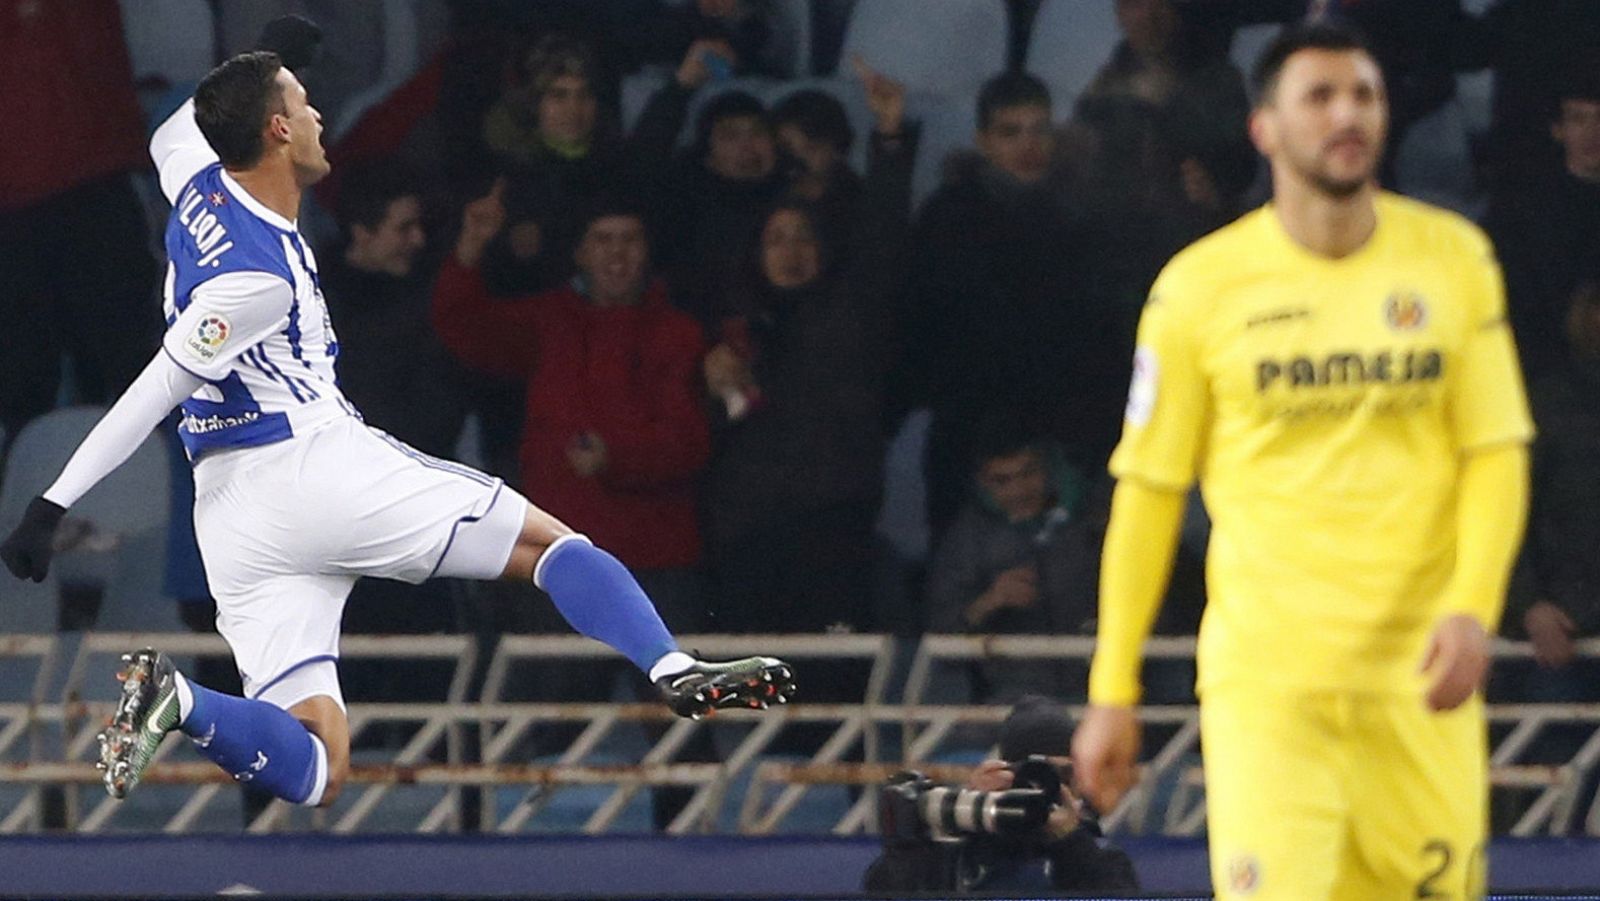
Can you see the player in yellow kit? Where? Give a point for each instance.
(1336, 371)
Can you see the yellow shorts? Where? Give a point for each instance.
(1322, 795)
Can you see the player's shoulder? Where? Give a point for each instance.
(1206, 267)
(1431, 228)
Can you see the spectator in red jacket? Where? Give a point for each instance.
(615, 434)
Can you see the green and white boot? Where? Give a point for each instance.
(147, 711)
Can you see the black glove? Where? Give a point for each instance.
(295, 39)
(27, 549)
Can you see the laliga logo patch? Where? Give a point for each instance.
(1142, 387)
(1244, 874)
(1405, 311)
(208, 337)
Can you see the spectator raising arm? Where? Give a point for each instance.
(496, 337)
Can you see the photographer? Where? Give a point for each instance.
(1016, 826)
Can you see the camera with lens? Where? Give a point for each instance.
(912, 808)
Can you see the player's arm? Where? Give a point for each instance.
(1492, 425)
(160, 387)
(179, 150)
(225, 316)
(1155, 462)
(1141, 541)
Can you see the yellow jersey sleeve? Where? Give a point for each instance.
(1487, 404)
(1163, 431)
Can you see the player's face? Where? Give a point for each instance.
(1018, 483)
(613, 255)
(1018, 141)
(304, 132)
(790, 255)
(1578, 131)
(1326, 120)
(391, 247)
(567, 110)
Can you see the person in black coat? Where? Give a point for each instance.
(796, 472)
(1001, 302)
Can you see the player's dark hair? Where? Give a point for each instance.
(1007, 90)
(232, 104)
(366, 192)
(1307, 35)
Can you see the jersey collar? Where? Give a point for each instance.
(253, 205)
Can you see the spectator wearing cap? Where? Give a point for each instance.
(548, 137)
(1548, 232)
(706, 203)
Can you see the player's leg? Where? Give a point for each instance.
(283, 628)
(600, 598)
(300, 755)
(1275, 810)
(410, 516)
(1420, 801)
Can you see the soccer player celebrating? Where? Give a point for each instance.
(295, 498)
(1336, 370)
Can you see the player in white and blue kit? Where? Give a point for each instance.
(295, 498)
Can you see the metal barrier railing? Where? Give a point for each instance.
(881, 737)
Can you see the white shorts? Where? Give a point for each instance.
(286, 529)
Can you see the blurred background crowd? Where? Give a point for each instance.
(817, 313)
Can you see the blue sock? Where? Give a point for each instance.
(601, 599)
(257, 743)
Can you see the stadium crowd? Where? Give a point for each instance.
(685, 281)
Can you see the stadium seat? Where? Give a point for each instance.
(1434, 160)
(1071, 40)
(131, 503)
(170, 40)
(947, 47)
(402, 57)
(949, 125)
(903, 518)
(1248, 42)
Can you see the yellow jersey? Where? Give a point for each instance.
(1323, 405)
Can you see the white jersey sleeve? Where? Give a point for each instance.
(226, 316)
(179, 150)
(162, 386)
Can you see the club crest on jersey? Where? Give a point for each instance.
(1405, 311)
(1244, 874)
(208, 337)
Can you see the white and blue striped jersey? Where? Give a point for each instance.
(245, 313)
